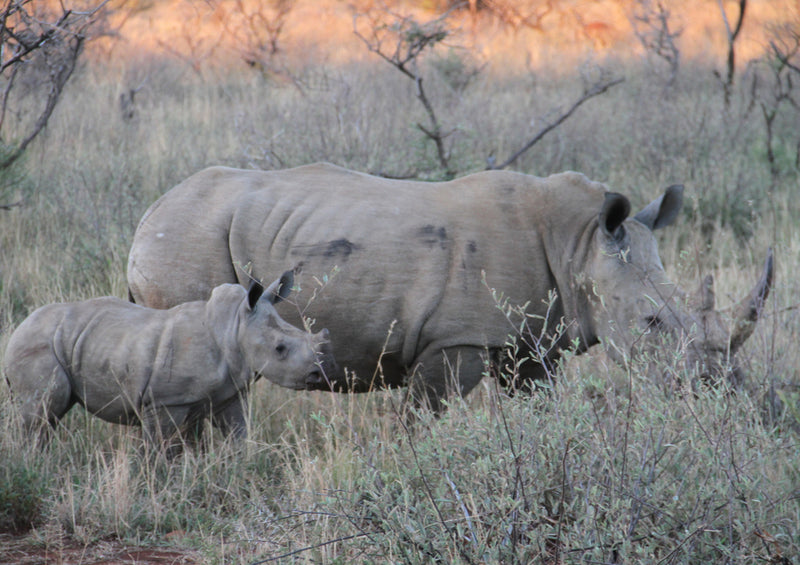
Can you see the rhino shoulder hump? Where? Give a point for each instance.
(575, 179)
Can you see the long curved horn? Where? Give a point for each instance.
(745, 314)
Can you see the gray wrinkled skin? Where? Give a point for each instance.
(411, 257)
(166, 369)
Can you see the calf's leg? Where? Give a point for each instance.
(41, 389)
(230, 418)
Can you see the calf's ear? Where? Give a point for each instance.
(254, 293)
(662, 211)
(281, 288)
(614, 211)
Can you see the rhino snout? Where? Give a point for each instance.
(653, 322)
(316, 380)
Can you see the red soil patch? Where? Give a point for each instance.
(22, 550)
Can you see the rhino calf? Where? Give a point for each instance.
(166, 370)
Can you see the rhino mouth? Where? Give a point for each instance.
(316, 380)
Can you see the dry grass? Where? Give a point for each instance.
(605, 466)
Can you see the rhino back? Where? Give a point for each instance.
(407, 253)
(181, 235)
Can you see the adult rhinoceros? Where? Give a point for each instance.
(413, 261)
(165, 369)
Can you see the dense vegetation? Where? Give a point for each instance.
(604, 465)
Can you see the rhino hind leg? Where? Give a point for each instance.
(440, 373)
(44, 399)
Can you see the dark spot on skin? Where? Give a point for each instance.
(507, 190)
(431, 235)
(472, 246)
(340, 247)
(334, 248)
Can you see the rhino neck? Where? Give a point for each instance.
(223, 322)
(567, 250)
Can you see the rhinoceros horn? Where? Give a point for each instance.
(745, 314)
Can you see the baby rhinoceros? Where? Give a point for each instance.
(166, 370)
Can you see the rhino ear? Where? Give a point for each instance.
(662, 211)
(615, 209)
(254, 293)
(281, 288)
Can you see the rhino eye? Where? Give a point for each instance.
(281, 350)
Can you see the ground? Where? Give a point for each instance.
(27, 550)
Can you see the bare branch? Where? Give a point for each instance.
(513, 13)
(257, 28)
(785, 57)
(47, 47)
(407, 40)
(189, 46)
(595, 90)
(778, 88)
(651, 24)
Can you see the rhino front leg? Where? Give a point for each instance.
(438, 373)
(230, 419)
(161, 427)
(524, 377)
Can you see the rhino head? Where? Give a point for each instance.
(260, 343)
(633, 308)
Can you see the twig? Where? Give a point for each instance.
(596, 90)
(783, 58)
(699, 530)
(464, 508)
(310, 548)
(557, 557)
(412, 39)
(426, 484)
